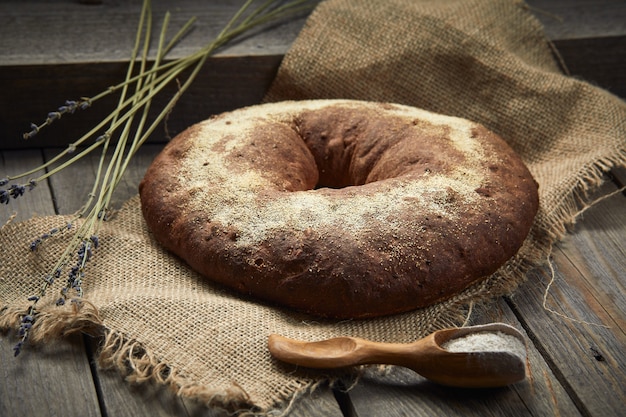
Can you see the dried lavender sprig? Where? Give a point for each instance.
(38, 241)
(174, 69)
(77, 272)
(154, 83)
(84, 103)
(15, 190)
(83, 251)
(69, 107)
(84, 246)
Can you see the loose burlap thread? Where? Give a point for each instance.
(485, 60)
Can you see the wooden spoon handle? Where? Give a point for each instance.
(345, 351)
(312, 354)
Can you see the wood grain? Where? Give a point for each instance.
(64, 51)
(406, 393)
(588, 290)
(66, 32)
(46, 380)
(580, 19)
(35, 202)
(73, 184)
(56, 376)
(224, 83)
(599, 61)
(590, 37)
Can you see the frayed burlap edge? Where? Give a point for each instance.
(138, 365)
(130, 358)
(577, 199)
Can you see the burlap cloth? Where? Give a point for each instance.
(485, 60)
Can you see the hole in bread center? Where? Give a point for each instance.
(338, 147)
(356, 147)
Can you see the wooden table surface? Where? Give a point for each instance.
(51, 51)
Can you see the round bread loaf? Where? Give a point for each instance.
(340, 208)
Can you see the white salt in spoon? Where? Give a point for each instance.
(491, 355)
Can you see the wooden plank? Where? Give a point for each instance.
(223, 84)
(69, 32)
(320, 402)
(39, 200)
(49, 380)
(588, 289)
(56, 377)
(84, 50)
(599, 61)
(580, 19)
(619, 176)
(404, 393)
(590, 37)
(73, 184)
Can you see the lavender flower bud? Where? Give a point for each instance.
(24, 327)
(34, 129)
(69, 107)
(18, 348)
(85, 103)
(52, 116)
(34, 245)
(16, 191)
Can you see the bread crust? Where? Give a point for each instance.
(340, 208)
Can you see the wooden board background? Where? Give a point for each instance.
(52, 51)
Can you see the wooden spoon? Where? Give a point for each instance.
(493, 367)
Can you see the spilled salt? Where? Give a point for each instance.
(486, 342)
